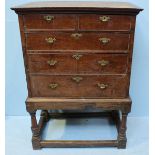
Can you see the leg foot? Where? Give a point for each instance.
(36, 143)
(122, 144)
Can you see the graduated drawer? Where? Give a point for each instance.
(61, 63)
(79, 86)
(105, 22)
(77, 41)
(50, 21)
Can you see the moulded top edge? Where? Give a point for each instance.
(77, 6)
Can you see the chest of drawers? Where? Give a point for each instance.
(77, 56)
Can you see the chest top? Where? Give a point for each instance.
(79, 6)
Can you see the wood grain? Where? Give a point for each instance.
(88, 41)
(62, 21)
(115, 23)
(116, 86)
(87, 63)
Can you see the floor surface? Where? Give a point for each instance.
(18, 136)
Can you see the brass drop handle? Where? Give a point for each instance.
(51, 62)
(104, 18)
(48, 18)
(77, 56)
(104, 40)
(50, 40)
(77, 79)
(53, 85)
(103, 62)
(76, 35)
(102, 85)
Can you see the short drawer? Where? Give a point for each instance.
(52, 63)
(105, 22)
(78, 41)
(79, 86)
(50, 21)
(102, 64)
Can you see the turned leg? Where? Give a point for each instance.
(45, 114)
(122, 131)
(116, 119)
(35, 131)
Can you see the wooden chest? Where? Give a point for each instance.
(77, 56)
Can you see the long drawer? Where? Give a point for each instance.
(82, 63)
(79, 86)
(77, 41)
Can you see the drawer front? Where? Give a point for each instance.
(105, 22)
(52, 63)
(79, 86)
(50, 21)
(103, 64)
(77, 41)
(81, 63)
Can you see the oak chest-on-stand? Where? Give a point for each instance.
(77, 56)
